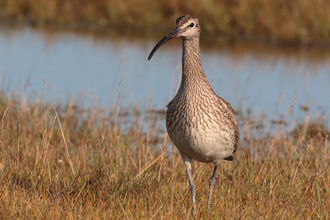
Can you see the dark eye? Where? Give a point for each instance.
(192, 25)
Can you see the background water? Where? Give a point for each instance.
(251, 78)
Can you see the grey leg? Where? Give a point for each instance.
(192, 188)
(187, 161)
(211, 184)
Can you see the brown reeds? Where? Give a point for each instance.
(71, 162)
(281, 21)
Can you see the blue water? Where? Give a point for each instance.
(71, 65)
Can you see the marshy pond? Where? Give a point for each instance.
(253, 78)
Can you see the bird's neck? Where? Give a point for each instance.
(191, 61)
(192, 71)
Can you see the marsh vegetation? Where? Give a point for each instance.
(67, 162)
(285, 22)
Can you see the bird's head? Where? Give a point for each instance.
(186, 27)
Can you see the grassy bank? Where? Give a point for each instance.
(282, 21)
(69, 162)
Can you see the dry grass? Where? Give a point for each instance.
(69, 162)
(281, 21)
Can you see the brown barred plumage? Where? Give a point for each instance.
(201, 125)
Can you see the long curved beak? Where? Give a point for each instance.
(173, 34)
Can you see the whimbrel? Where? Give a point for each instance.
(201, 125)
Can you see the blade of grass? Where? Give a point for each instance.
(66, 146)
(153, 162)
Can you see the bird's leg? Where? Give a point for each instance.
(192, 188)
(211, 184)
(187, 161)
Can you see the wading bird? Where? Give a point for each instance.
(201, 125)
